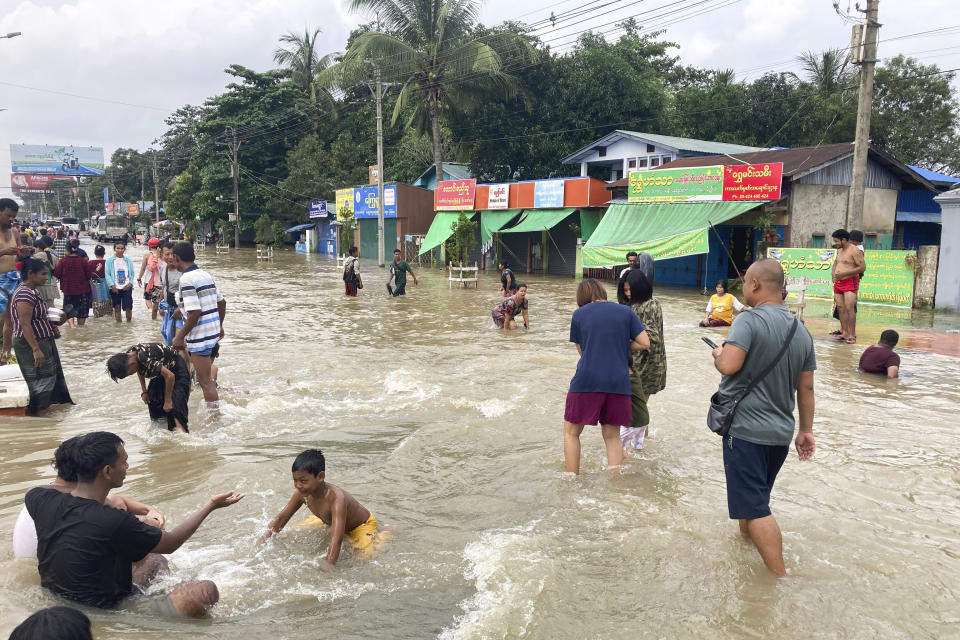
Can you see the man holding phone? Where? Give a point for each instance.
(759, 438)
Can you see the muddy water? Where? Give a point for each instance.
(450, 432)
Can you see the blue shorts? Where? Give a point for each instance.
(204, 353)
(9, 282)
(123, 298)
(751, 470)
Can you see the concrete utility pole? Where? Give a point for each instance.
(380, 197)
(234, 145)
(866, 57)
(156, 188)
(143, 203)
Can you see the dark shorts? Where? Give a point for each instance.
(751, 470)
(122, 299)
(400, 289)
(351, 288)
(77, 305)
(598, 408)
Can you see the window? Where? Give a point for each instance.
(632, 163)
(870, 241)
(651, 148)
(665, 159)
(641, 163)
(818, 239)
(655, 161)
(602, 152)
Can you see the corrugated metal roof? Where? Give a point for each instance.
(682, 144)
(933, 176)
(919, 216)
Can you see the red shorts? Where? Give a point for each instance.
(598, 408)
(351, 288)
(847, 284)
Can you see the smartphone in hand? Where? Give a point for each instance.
(710, 343)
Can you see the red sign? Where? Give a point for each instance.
(752, 181)
(34, 183)
(133, 209)
(454, 195)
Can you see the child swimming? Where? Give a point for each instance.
(330, 505)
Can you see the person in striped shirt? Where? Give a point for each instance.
(203, 309)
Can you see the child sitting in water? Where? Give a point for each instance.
(330, 505)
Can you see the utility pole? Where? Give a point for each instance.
(143, 205)
(863, 53)
(380, 197)
(156, 188)
(234, 145)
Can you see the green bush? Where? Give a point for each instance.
(263, 230)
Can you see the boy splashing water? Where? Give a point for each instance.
(330, 505)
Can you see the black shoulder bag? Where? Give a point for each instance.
(722, 408)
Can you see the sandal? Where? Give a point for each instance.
(851, 341)
(835, 333)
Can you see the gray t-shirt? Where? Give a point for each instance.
(765, 416)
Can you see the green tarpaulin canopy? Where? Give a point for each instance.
(493, 221)
(439, 230)
(668, 230)
(588, 222)
(539, 220)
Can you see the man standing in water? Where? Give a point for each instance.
(631, 260)
(398, 275)
(759, 438)
(9, 276)
(203, 309)
(351, 273)
(847, 267)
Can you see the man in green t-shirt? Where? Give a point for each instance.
(398, 273)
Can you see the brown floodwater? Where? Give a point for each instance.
(450, 432)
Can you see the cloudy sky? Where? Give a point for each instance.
(106, 72)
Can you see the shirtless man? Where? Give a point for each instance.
(9, 276)
(847, 267)
(330, 505)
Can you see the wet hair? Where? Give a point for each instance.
(31, 265)
(352, 251)
(840, 234)
(589, 290)
(311, 461)
(99, 250)
(64, 459)
(890, 338)
(117, 366)
(631, 254)
(95, 451)
(640, 288)
(856, 236)
(54, 623)
(9, 203)
(723, 283)
(184, 251)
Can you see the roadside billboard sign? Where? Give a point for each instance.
(365, 202)
(548, 194)
(133, 209)
(318, 209)
(64, 161)
(752, 181)
(344, 201)
(692, 184)
(888, 280)
(34, 183)
(499, 196)
(455, 195)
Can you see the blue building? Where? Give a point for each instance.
(918, 215)
(451, 171)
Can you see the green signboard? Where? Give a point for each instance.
(683, 244)
(693, 184)
(887, 280)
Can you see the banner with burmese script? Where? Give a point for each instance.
(692, 184)
(454, 195)
(752, 181)
(889, 277)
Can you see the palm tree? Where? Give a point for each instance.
(299, 54)
(432, 50)
(826, 70)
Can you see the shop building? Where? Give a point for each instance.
(407, 213)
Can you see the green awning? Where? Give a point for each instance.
(439, 230)
(589, 219)
(539, 220)
(666, 230)
(493, 221)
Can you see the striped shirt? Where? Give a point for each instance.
(198, 292)
(41, 326)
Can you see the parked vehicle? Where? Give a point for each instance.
(92, 226)
(112, 227)
(71, 223)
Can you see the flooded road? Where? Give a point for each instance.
(450, 432)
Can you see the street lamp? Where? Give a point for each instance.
(12, 34)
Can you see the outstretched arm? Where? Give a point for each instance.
(282, 518)
(173, 540)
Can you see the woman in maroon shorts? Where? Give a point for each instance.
(605, 333)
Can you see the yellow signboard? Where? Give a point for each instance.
(344, 199)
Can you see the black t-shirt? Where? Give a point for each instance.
(512, 284)
(86, 549)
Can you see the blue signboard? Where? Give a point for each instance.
(106, 195)
(365, 202)
(318, 209)
(548, 194)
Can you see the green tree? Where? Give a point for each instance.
(430, 48)
(299, 54)
(827, 70)
(347, 227)
(463, 241)
(181, 195)
(278, 234)
(263, 230)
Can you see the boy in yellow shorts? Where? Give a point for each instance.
(330, 505)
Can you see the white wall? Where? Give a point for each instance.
(948, 271)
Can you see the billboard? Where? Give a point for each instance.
(498, 196)
(64, 161)
(548, 194)
(133, 209)
(694, 184)
(318, 209)
(365, 202)
(33, 183)
(752, 181)
(455, 195)
(344, 201)
(887, 280)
